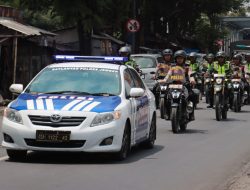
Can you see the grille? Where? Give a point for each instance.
(65, 122)
(46, 144)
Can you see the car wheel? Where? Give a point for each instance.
(125, 148)
(17, 155)
(149, 143)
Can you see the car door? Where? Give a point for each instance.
(141, 105)
(129, 83)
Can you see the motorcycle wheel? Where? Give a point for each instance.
(207, 95)
(217, 107)
(183, 126)
(224, 113)
(162, 108)
(175, 120)
(236, 103)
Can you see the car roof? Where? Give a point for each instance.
(87, 64)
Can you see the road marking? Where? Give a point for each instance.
(4, 158)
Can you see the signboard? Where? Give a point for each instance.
(133, 25)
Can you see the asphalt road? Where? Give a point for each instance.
(203, 158)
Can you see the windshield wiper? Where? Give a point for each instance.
(103, 94)
(67, 92)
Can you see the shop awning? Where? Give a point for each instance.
(26, 30)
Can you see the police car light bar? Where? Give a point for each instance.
(90, 58)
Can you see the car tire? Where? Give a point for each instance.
(149, 143)
(125, 147)
(17, 155)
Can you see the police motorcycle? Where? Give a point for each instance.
(208, 86)
(196, 88)
(220, 96)
(247, 89)
(236, 89)
(159, 90)
(180, 109)
(238, 95)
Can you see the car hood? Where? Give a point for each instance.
(66, 103)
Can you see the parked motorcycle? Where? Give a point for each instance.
(180, 108)
(220, 96)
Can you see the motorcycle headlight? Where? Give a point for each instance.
(13, 115)
(163, 88)
(104, 118)
(219, 80)
(236, 85)
(176, 94)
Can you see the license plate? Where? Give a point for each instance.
(52, 136)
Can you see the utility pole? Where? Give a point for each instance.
(134, 33)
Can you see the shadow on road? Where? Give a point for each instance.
(232, 120)
(244, 111)
(70, 158)
(192, 131)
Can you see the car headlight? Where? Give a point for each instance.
(13, 115)
(104, 118)
(219, 80)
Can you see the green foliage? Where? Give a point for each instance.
(191, 19)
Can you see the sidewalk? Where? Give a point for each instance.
(242, 180)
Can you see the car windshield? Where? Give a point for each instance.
(145, 62)
(76, 80)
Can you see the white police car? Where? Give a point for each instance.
(80, 106)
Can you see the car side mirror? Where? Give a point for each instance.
(136, 92)
(16, 88)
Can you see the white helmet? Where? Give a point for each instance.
(125, 49)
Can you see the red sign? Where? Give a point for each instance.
(133, 25)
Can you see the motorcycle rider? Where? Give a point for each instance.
(180, 61)
(222, 66)
(194, 66)
(162, 68)
(125, 51)
(207, 67)
(238, 71)
(247, 75)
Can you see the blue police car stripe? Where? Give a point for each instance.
(49, 104)
(66, 103)
(70, 105)
(91, 106)
(80, 105)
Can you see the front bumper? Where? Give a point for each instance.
(24, 135)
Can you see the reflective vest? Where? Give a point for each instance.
(194, 66)
(247, 68)
(132, 63)
(222, 69)
(209, 66)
